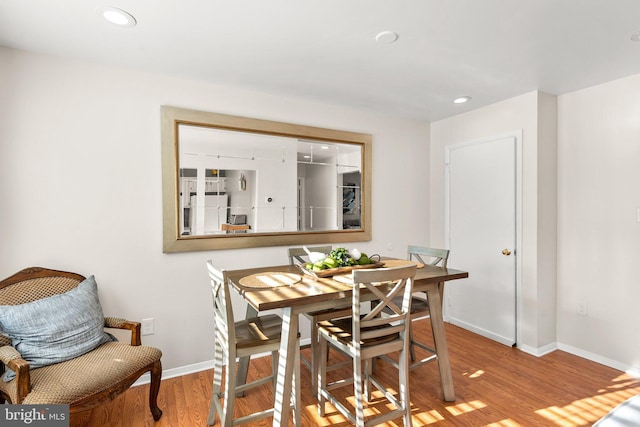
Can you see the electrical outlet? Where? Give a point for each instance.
(582, 309)
(147, 326)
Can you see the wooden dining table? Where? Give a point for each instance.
(285, 287)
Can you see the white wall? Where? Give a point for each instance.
(598, 227)
(533, 114)
(80, 184)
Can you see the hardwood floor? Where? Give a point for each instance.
(495, 386)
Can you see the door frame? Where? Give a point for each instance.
(517, 135)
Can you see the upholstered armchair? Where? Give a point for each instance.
(54, 349)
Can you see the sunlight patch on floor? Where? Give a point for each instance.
(504, 423)
(623, 381)
(588, 410)
(462, 408)
(477, 374)
(425, 418)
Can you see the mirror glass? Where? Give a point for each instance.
(236, 182)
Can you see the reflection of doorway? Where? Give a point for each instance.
(351, 198)
(302, 223)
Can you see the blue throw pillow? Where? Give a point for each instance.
(57, 328)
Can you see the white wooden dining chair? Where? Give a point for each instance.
(420, 303)
(298, 255)
(367, 336)
(233, 340)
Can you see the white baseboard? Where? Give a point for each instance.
(482, 332)
(176, 372)
(539, 351)
(633, 371)
(191, 369)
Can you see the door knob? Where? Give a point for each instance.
(506, 252)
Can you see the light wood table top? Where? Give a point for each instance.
(310, 292)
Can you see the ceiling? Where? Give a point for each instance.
(325, 50)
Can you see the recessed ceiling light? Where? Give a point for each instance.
(635, 36)
(118, 17)
(462, 99)
(387, 37)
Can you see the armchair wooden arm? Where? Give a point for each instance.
(14, 361)
(119, 323)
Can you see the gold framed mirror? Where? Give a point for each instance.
(236, 182)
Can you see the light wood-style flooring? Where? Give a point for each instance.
(495, 385)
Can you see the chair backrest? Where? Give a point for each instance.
(437, 256)
(222, 309)
(34, 283)
(300, 255)
(385, 284)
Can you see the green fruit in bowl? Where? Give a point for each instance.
(364, 260)
(330, 262)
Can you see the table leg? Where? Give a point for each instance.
(285, 367)
(440, 340)
(243, 363)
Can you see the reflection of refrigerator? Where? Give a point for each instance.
(209, 218)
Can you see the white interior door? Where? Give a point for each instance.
(481, 190)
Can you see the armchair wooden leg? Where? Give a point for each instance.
(156, 378)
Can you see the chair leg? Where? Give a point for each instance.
(217, 383)
(156, 378)
(274, 369)
(229, 397)
(412, 349)
(297, 402)
(322, 376)
(315, 361)
(367, 378)
(403, 379)
(358, 391)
